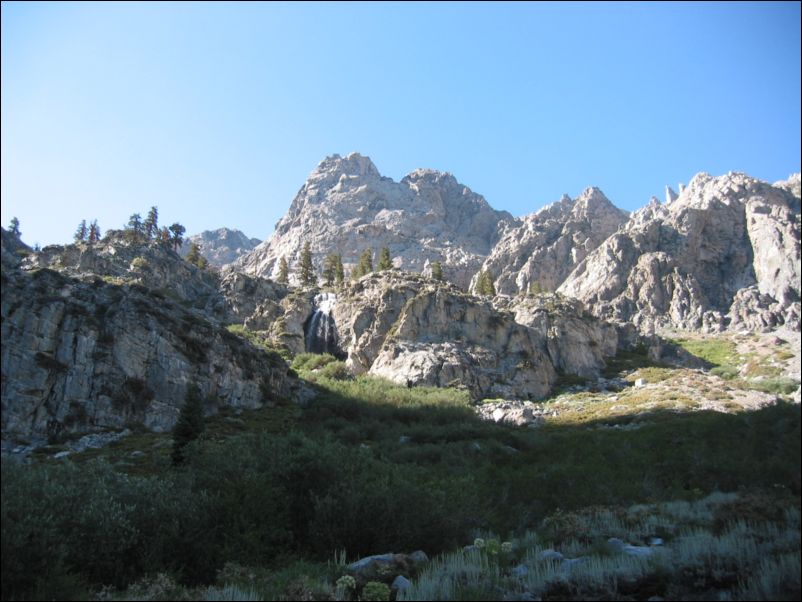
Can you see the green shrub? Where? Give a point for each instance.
(140, 264)
(190, 423)
(777, 386)
(375, 590)
(725, 372)
(335, 371)
(311, 361)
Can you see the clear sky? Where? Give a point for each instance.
(216, 113)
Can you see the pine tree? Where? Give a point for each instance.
(94, 232)
(82, 232)
(195, 258)
(283, 272)
(164, 237)
(437, 271)
(151, 224)
(330, 268)
(307, 275)
(365, 265)
(177, 238)
(339, 272)
(135, 227)
(490, 287)
(13, 227)
(385, 262)
(190, 423)
(484, 284)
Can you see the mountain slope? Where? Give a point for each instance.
(543, 248)
(725, 253)
(346, 206)
(221, 246)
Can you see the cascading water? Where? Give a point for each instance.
(321, 332)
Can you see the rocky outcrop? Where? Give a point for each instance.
(346, 206)
(540, 250)
(416, 331)
(120, 260)
(12, 249)
(233, 298)
(367, 309)
(222, 246)
(254, 302)
(725, 253)
(576, 341)
(446, 339)
(85, 355)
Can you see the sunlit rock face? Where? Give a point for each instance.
(222, 246)
(724, 254)
(347, 206)
(539, 251)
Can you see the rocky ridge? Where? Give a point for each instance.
(110, 335)
(220, 247)
(540, 250)
(346, 206)
(724, 254)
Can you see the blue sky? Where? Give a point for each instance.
(216, 113)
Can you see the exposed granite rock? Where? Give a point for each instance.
(346, 206)
(541, 249)
(288, 330)
(515, 413)
(13, 249)
(367, 309)
(222, 246)
(233, 298)
(686, 264)
(252, 301)
(793, 184)
(447, 339)
(416, 331)
(81, 356)
(121, 261)
(576, 341)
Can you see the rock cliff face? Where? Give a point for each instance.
(541, 249)
(12, 249)
(725, 253)
(413, 330)
(346, 206)
(80, 356)
(121, 261)
(221, 246)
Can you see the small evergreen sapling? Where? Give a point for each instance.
(190, 423)
(385, 262)
(283, 272)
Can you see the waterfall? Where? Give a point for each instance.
(320, 331)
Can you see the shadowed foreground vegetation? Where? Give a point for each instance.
(267, 498)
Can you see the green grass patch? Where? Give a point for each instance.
(257, 340)
(777, 386)
(715, 351)
(652, 374)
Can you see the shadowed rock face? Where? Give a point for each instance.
(346, 206)
(80, 356)
(725, 253)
